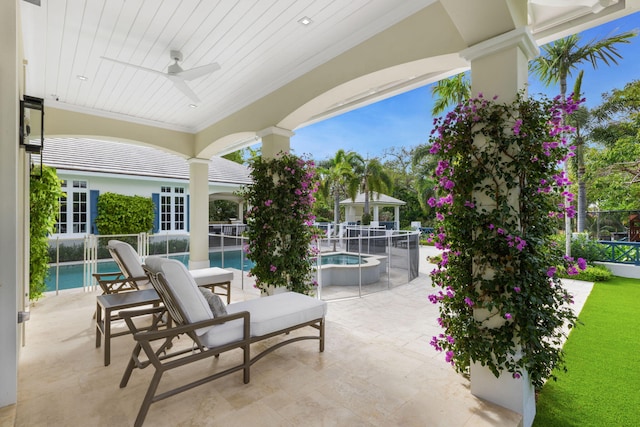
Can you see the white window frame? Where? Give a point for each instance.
(72, 221)
(173, 209)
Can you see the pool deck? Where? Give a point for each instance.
(377, 370)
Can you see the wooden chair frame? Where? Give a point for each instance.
(156, 345)
(118, 281)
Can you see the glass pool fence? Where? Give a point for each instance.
(357, 262)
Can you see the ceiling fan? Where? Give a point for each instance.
(176, 74)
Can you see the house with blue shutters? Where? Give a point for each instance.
(89, 167)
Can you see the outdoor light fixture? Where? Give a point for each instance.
(305, 20)
(31, 132)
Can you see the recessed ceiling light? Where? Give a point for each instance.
(193, 106)
(305, 20)
(83, 78)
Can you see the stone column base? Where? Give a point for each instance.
(517, 395)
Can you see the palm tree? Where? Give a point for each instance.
(451, 91)
(336, 178)
(423, 159)
(373, 178)
(579, 120)
(561, 58)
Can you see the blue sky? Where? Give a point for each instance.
(405, 120)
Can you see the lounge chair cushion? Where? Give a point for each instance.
(211, 275)
(215, 302)
(183, 288)
(267, 315)
(129, 257)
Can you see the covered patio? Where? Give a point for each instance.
(302, 64)
(377, 370)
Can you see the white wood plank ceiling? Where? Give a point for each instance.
(259, 44)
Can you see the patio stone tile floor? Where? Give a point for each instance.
(377, 370)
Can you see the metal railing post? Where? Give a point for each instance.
(57, 264)
(360, 263)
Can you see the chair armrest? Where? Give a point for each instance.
(156, 312)
(128, 314)
(115, 274)
(192, 327)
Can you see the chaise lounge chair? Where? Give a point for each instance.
(134, 277)
(235, 327)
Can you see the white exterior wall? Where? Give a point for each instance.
(130, 185)
(11, 260)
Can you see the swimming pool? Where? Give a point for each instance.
(71, 275)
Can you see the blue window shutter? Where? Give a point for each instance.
(155, 198)
(187, 213)
(93, 210)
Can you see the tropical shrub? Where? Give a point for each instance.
(499, 192)
(120, 214)
(593, 273)
(44, 197)
(280, 222)
(582, 247)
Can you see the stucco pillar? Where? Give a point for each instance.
(499, 67)
(376, 212)
(10, 209)
(396, 216)
(198, 213)
(240, 214)
(274, 141)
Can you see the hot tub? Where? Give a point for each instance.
(350, 269)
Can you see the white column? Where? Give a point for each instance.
(376, 212)
(10, 209)
(198, 213)
(274, 141)
(499, 67)
(396, 216)
(240, 215)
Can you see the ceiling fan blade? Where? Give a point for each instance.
(149, 70)
(197, 72)
(182, 86)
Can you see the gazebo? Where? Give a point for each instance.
(355, 208)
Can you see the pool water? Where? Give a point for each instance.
(71, 275)
(340, 259)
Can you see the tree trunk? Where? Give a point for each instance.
(366, 202)
(336, 213)
(582, 191)
(582, 201)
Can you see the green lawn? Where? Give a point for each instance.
(602, 387)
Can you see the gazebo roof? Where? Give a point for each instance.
(377, 199)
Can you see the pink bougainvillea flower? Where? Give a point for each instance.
(449, 356)
(582, 264)
(434, 343)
